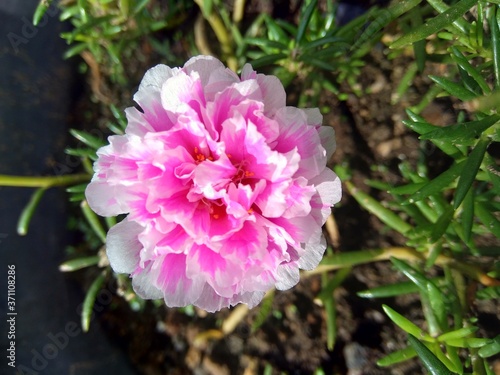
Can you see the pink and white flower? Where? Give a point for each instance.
(226, 188)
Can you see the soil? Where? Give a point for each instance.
(292, 339)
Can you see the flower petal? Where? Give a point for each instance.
(123, 246)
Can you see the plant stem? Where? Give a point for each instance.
(353, 258)
(43, 182)
(222, 35)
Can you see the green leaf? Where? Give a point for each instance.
(304, 21)
(326, 297)
(462, 61)
(405, 83)
(88, 303)
(397, 357)
(490, 349)
(275, 32)
(431, 362)
(468, 214)
(26, 215)
(460, 25)
(334, 283)
(462, 132)
(442, 224)
(140, 5)
(69, 12)
(80, 188)
(435, 24)
(331, 322)
(405, 324)
(268, 60)
(391, 290)
(317, 63)
(406, 189)
(457, 334)
(79, 263)
(420, 127)
(469, 172)
(383, 18)
(437, 303)
(495, 45)
(487, 218)
(82, 152)
(40, 11)
(468, 342)
(418, 47)
(321, 42)
(75, 50)
(88, 139)
(454, 89)
(414, 275)
(437, 184)
(372, 205)
(93, 220)
(435, 250)
(81, 31)
(265, 309)
(490, 292)
(351, 258)
(266, 43)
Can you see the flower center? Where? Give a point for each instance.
(200, 157)
(216, 208)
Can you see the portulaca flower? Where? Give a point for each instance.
(226, 189)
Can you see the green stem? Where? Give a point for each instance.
(43, 182)
(222, 35)
(354, 258)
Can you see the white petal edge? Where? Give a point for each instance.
(123, 246)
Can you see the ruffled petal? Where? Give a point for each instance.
(123, 246)
(225, 188)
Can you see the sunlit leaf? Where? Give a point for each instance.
(490, 349)
(457, 334)
(405, 324)
(397, 357)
